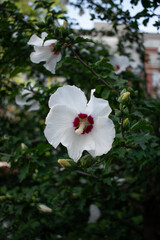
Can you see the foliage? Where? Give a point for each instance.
(124, 183)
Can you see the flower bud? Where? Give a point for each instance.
(125, 122)
(2, 198)
(44, 208)
(66, 162)
(74, 195)
(8, 196)
(64, 24)
(124, 97)
(86, 161)
(23, 146)
(47, 154)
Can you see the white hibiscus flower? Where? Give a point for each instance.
(120, 63)
(23, 99)
(44, 51)
(95, 213)
(79, 125)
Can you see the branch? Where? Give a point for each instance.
(86, 174)
(10, 81)
(91, 69)
(122, 133)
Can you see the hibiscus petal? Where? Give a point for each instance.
(76, 144)
(22, 98)
(35, 106)
(59, 120)
(44, 35)
(103, 134)
(121, 61)
(40, 54)
(35, 40)
(59, 129)
(49, 42)
(69, 96)
(50, 65)
(95, 213)
(98, 106)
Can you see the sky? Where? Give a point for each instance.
(85, 22)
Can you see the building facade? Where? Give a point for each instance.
(152, 55)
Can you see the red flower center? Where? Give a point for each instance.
(83, 123)
(117, 67)
(52, 49)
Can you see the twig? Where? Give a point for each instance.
(95, 164)
(91, 69)
(122, 133)
(12, 82)
(122, 129)
(5, 154)
(86, 174)
(13, 14)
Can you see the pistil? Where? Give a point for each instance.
(81, 127)
(83, 123)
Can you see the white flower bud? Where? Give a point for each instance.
(44, 208)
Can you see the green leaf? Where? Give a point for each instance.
(145, 21)
(141, 124)
(105, 94)
(104, 62)
(23, 171)
(16, 71)
(81, 39)
(146, 3)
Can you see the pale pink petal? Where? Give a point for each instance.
(50, 64)
(40, 54)
(103, 133)
(59, 120)
(35, 40)
(69, 96)
(98, 107)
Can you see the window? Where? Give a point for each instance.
(156, 79)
